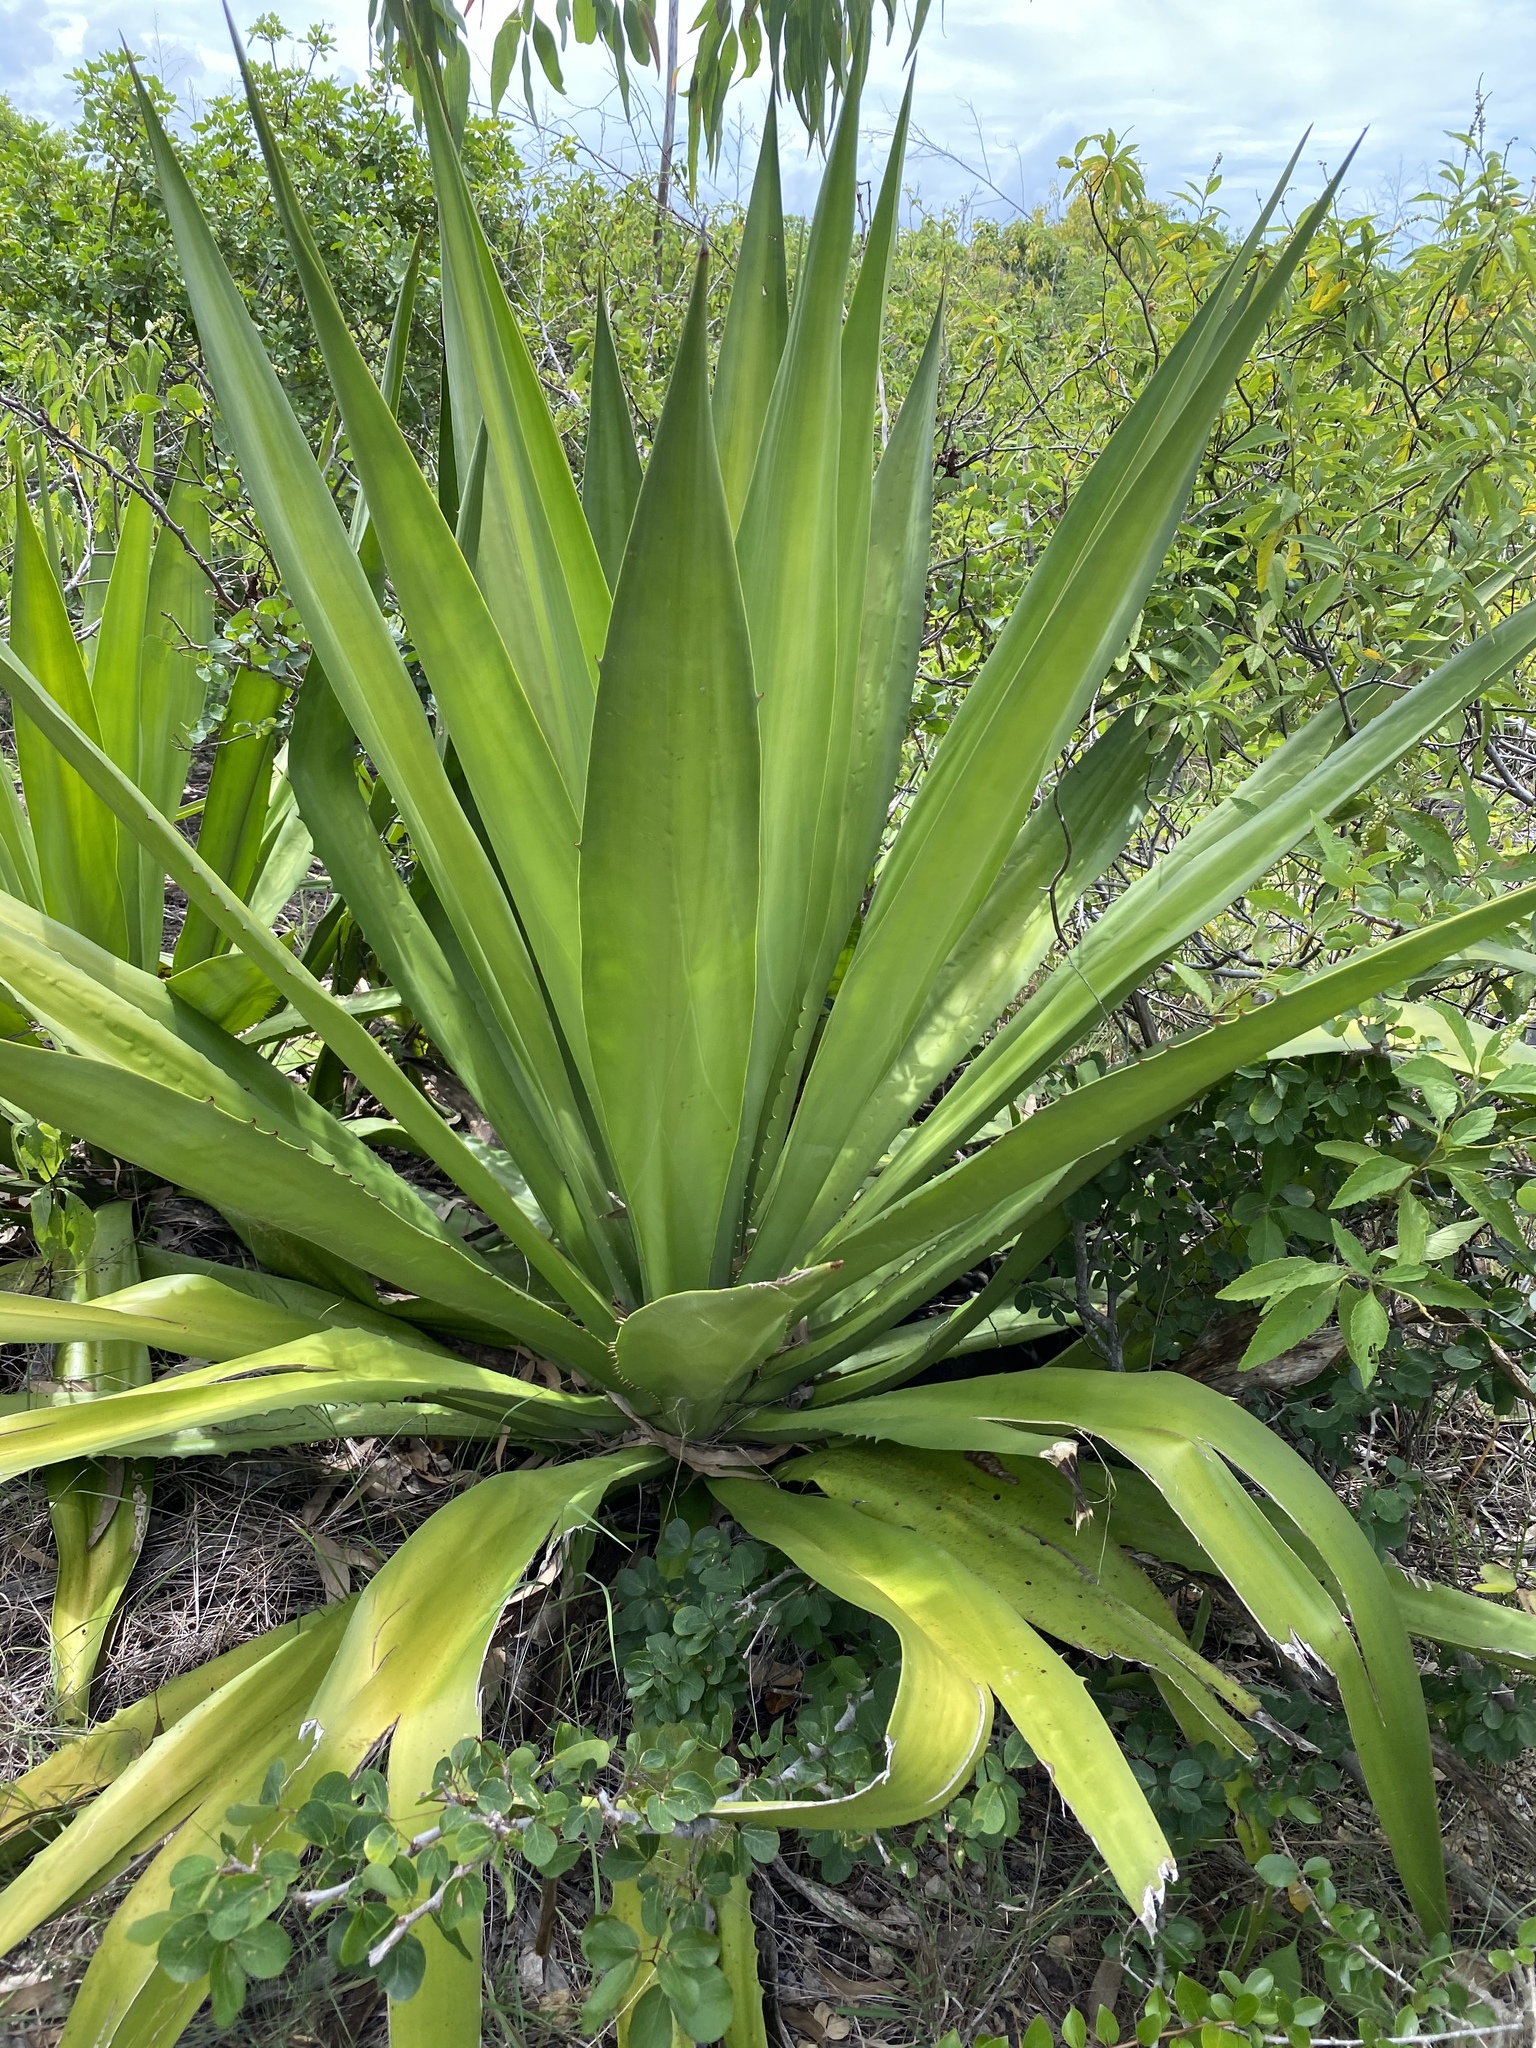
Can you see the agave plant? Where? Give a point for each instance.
(701, 980)
(134, 684)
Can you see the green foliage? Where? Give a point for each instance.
(762, 1035)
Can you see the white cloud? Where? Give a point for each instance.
(1005, 86)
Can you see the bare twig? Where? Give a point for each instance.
(36, 417)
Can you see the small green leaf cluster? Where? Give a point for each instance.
(681, 1618)
(1384, 1191)
(1354, 1948)
(678, 1880)
(1485, 1712)
(1253, 2005)
(266, 636)
(219, 1923)
(1379, 1991)
(1185, 1786)
(338, 1853)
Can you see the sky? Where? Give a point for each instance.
(1005, 87)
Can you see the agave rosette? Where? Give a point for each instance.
(644, 797)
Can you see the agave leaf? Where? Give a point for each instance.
(338, 1422)
(228, 1161)
(943, 1712)
(115, 686)
(361, 661)
(858, 395)
(391, 385)
(98, 1510)
(873, 675)
(693, 1351)
(165, 1781)
(1137, 1515)
(178, 624)
(286, 856)
(338, 1366)
(322, 765)
(126, 2000)
(1019, 1533)
(1114, 1111)
(317, 1307)
(756, 324)
(18, 851)
(545, 580)
(345, 1034)
(877, 1301)
(530, 817)
(36, 1805)
(410, 1662)
(888, 1360)
(1228, 849)
(788, 547)
(188, 1313)
(229, 990)
(1442, 1614)
(933, 1600)
(1066, 844)
(1077, 609)
(1179, 1433)
(102, 1008)
(610, 476)
(669, 856)
(894, 584)
(234, 816)
(74, 836)
(737, 1931)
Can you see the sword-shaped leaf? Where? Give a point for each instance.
(788, 546)
(669, 852)
(178, 624)
(1077, 609)
(943, 1710)
(115, 682)
(167, 1779)
(73, 834)
(36, 1805)
(1065, 846)
(99, 1508)
(610, 475)
(538, 563)
(1225, 852)
(338, 1366)
(1016, 1528)
(864, 570)
(1182, 1436)
(361, 660)
(418, 1670)
(756, 323)
(234, 815)
(345, 1034)
(228, 1160)
(529, 816)
(126, 2000)
(190, 1313)
(1136, 1097)
(322, 764)
(963, 1637)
